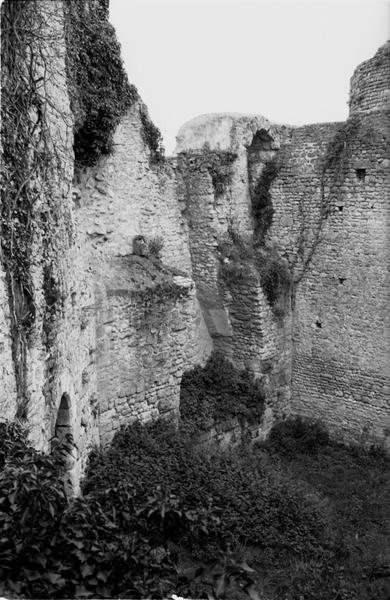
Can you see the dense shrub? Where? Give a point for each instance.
(355, 484)
(102, 545)
(219, 391)
(152, 497)
(275, 278)
(234, 496)
(298, 435)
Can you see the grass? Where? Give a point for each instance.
(355, 484)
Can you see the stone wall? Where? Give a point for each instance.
(214, 154)
(53, 353)
(127, 195)
(59, 350)
(146, 339)
(333, 226)
(232, 432)
(141, 350)
(114, 332)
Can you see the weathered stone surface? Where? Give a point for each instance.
(129, 326)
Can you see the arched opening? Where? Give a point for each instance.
(63, 443)
(62, 426)
(261, 142)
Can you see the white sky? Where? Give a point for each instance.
(289, 60)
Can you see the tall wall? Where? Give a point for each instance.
(114, 331)
(332, 221)
(55, 351)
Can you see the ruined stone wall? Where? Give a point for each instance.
(333, 227)
(55, 350)
(146, 340)
(127, 195)
(60, 350)
(140, 359)
(213, 155)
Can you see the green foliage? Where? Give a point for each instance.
(219, 167)
(227, 497)
(309, 515)
(242, 262)
(217, 392)
(236, 254)
(99, 89)
(152, 137)
(29, 161)
(102, 545)
(262, 209)
(298, 435)
(355, 483)
(155, 246)
(275, 278)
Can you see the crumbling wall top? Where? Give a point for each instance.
(224, 132)
(370, 83)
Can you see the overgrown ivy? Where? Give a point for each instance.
(242, 262)
(262, 209)
(99, 89)
(28, 156)
(152, 137)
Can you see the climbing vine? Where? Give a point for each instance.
(334, 168)
(152, 137)
(28, 155)
(98, 86)
(262, 209)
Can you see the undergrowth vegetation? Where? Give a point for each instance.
(219, 391)
(296, 517)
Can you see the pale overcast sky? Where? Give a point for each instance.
(288, 60)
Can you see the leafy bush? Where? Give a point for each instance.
(219, 391)
(236, 254)
(103, 545)
(275, 278)
(243, 261)
(155, 246)
(298, 435)
(227, 497)
(152, 497)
